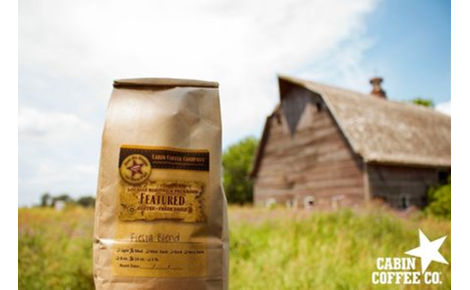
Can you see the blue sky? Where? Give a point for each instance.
(412, 48)
(409, 45)
(69, 56)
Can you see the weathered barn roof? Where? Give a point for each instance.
(381, 130)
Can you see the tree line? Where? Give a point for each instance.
(48, 200)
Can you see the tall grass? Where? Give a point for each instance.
(326, 250)
(270, 249)
(55, 249)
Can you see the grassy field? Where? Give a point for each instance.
(270, 249)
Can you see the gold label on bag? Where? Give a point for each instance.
(145, 195)
(162, 203)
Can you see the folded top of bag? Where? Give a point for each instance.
(162, 82)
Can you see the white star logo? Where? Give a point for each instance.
(428, 251)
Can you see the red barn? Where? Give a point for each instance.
(325, 146)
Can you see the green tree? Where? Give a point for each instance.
(86, 201)
(236, 162)
(440, 201)
(423, 102)
(45, 200)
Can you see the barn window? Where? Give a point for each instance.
(405, 201)
(319, 106)
(270, 202)
(443, 176)
(309, 202)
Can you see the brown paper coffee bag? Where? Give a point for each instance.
(160, 217)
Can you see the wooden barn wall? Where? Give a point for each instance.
(314, 161)
(393, 183)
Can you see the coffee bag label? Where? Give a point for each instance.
(154, 183)
(162, 194)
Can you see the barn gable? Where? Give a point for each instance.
(294, 101)
(308, 161)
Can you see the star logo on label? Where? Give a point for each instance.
(135, 169)
(428, 251)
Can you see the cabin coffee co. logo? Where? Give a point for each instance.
(403, 270)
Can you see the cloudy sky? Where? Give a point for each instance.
(70, 52)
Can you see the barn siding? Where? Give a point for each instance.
(313, 161)
(392, 183)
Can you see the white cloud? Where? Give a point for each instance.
(241, 44)
(58, 177)
(444, 108)
(69, 53)
(58, 152)
(32, 122)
